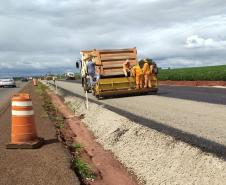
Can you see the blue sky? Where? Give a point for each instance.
(41, 36)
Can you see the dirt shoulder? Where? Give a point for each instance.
(106, 169)
(194, 83)
(48, 165)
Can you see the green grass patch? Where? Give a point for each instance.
(76, 146)
(83, 168)
(40, 89)
(209, 73)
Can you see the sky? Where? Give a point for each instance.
(46, 36)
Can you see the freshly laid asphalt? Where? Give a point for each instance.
(216, 95)
(202, 94)
(192, 114)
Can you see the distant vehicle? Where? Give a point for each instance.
(7, 82)
(70, 76)
(24, 79)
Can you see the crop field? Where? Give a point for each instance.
(210, 73)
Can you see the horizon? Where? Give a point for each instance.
(43, 36)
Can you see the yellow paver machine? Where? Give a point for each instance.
(109, 66)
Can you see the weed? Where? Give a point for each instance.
(76, 146)
(40, 89)
(83, 168)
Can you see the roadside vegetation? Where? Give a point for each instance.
(209, 73)
(65, 136)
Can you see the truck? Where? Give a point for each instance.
(109, 66)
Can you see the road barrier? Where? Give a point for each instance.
(23, 130)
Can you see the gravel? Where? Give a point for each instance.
(202, 119)
(155, 158)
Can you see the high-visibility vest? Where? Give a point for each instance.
(137, 70)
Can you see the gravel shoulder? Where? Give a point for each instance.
(202, 120)
(48, 165)
(155, 158)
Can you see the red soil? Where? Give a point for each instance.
(110, 170)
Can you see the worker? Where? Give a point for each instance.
(138, 73)
(147, 72)
(91, 69)
(154, 69)
(154, 72)
(127, 68)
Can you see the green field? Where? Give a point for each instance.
(195, 73)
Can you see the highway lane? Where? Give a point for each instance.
(6, 93)
(201, 94)
(199, 123)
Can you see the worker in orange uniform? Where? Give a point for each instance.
(126, 68)
(147, 74)
(138, 73)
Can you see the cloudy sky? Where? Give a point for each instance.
(41, 36)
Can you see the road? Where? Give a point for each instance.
(194, 115)
(49, 164)
(202, 94)
(6, 93)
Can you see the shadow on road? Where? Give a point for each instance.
(202, 143)
(51, 141)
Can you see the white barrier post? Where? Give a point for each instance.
(87, 101)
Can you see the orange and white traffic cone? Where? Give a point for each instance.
(23, 130)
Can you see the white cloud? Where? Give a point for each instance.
(195, 41)
(48, 34)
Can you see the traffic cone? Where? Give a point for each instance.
(23, 130)
(35, 82)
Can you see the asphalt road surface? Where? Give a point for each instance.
(202, 94)
(6, 93)
(48, 165)
(194, 115)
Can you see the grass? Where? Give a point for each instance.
(76, 146)
(50, 109)
(40, 89)
(83, 168)
(79, 166)
(210, 73)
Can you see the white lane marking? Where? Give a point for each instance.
(22, 103)
(22, 113)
